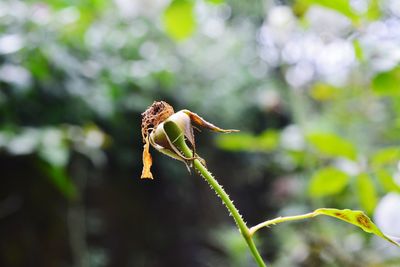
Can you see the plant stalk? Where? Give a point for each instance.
(244, 230)
(281, 220)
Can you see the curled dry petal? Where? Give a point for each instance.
(151, 118)
(147, 161)
(203, 123)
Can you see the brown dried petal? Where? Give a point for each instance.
(203, 123)
(147, 161)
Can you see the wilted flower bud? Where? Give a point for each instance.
(153, 132)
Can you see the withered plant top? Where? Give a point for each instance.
(155, 114)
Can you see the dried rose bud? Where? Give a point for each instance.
(153, 133)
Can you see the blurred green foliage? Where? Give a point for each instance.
(179, 19)
(367, 193)
(387, 83)
(332, 145)
(328, 181)
(312, 85)
(267, 141)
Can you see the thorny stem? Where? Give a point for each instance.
(244, 230)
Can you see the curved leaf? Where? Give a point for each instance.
(356, 217)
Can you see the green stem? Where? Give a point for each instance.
(244, 230)
(280, 220)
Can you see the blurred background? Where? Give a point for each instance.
(313, 85)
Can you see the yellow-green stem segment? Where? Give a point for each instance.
(280, 220)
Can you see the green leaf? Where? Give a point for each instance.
(366, 193)
(179, 19)
(358, 50)
(266, 142)
(386, 156)
(237, 142)
(332, 145)
(343, 7)
(387, 83)
(216, 2)
(387, 181)
(328, 181)
(374, 11)
(58, 176)
(356, 217)
(324, 92)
